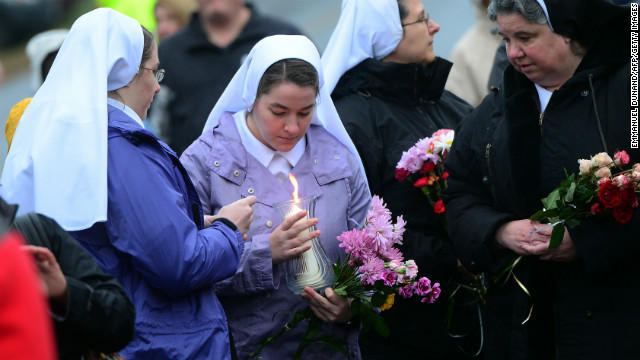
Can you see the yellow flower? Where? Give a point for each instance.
(389, 303)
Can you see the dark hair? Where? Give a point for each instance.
(148, 42)
(295, 71)
(47, 63)
(402, 8)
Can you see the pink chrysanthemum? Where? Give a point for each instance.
(380, 231)
(398, 230)
(392, 253)
(371, 271)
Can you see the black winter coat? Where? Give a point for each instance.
(99, 315)
(505, 158)
(386, 108)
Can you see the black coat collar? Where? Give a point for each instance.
(408, 84)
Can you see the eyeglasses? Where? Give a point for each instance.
(425, 20)
(158, 73)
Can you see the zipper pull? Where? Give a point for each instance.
(488, 149)
(541, 117)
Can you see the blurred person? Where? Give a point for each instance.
(82, 157)
(201, 59)
(90, 309)
(2, 73)
(276, 118)
(565, 96)
(41, 51)
(388, 87)
(472, 58)
(26, 331)
(171, 16)
(140, 10)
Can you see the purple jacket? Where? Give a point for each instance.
(253, 298)
(153, 243)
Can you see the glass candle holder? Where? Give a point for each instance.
(313, 267)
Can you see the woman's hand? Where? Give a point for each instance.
(55, 284)
(566, 252)
(332, 308)
(520, 236)
(239, 212)
(289, 239)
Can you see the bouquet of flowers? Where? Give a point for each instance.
(595, 191)
(423, 165)
(372, 273)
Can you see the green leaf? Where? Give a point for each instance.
(355, 307)
(378, 299)
(571, 223)
(550, 201)
(556, 236)
(381, 327)
(538, 216)
(569, 196)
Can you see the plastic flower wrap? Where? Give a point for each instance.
(595, 191)
(372, 273)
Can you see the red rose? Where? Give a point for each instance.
(428, 166)
(597, 208)
(610, 195)
(445, 175)
(402, 174)
(629, 196)
(422, 182)
(623, 213)
(438, 207)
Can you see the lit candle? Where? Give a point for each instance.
(307, 269)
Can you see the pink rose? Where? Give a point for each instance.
(620, 180)
(622, 158)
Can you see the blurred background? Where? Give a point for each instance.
(21, 19)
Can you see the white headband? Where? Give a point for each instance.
(546, 12)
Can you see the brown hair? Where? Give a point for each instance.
(295, 71)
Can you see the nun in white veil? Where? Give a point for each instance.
(387, 84)
(276, 117)
(81, 156)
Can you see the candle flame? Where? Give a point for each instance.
(294, 182)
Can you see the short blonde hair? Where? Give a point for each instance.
(181, 9)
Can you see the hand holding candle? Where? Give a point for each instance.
(291, 238)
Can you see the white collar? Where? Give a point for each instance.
(544, 95)
(127, 110)
(259, 150)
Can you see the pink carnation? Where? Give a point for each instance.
(412, 269)
(422, 287)
(406, 291)
(389, 277)
(435, 293)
